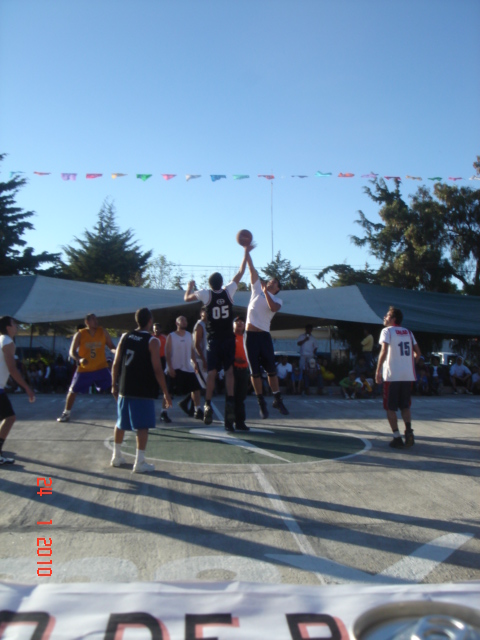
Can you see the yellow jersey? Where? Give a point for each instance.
(92, 348)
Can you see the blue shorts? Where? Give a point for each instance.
(82, 381)
(221, 353)
(135, 414)
(259, 350)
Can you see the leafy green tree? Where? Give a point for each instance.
(15, 257)
(106, 255)
(288, 277)
(163, 274)
(459, 210)
(410, 242)
(345, 275)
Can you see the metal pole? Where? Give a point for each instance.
(271, 211)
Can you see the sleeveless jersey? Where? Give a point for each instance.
(92, 348)
(219, 315)
(137, 378)
(400, 362)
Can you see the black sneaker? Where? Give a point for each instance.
(409, 439)
(198, 415)
(242, 427)
(278, 404)
(184, 406)
(262, 406)
(207, 414)
(397, 443)
(229, 428)
(164, 417)
(65, 417)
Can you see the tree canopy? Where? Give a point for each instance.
(15, 257)
(423, 245)
(106, 255)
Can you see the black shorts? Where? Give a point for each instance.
(397, 395)
(220, 353)
(184, 382)
(259, 350)
(6, 409)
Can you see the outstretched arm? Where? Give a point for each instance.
(241, 271)
(251, 268)
(189, 293)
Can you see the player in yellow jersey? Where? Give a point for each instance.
(88, 351)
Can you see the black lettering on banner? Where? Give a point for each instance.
(117, 621)
(298, 621)
(192, 622)
(40, 619)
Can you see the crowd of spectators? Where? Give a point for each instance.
(44, 374)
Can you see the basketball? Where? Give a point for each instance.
(244, 237)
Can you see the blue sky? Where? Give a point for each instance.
(229, 87)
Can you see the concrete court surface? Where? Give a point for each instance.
(316, 497)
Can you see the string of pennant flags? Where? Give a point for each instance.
(238, 176)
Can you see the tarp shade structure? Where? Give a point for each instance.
(38, 299)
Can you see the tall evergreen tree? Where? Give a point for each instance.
(15, 257)
(106, 255)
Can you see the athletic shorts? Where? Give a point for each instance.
(259, 350)
(397, 395)
(6, 409)
(184, 382)
(220, 353)
(135, 414)
(82, 381)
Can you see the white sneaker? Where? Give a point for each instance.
(65, 417)
(117, 461)
(143, 467)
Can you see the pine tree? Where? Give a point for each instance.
(106, 255)
(15, 257)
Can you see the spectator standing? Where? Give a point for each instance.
(312, 376)
(436, 379)
(367, 347)
(308, 346)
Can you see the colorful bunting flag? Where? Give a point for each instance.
(216, 177)
(299, 176)
(320, 174)
(413, 177)
(92, 176)
(41, 173)
(16, 173)
(454, 179)
(268, 177)
(69, 176)
(144, 176)
(118, 175)
(168, 176)
(396, 178)
(475, 178)
(346, 175)
(190, 176)
(370, 175)
(436, 178)
(240, 176)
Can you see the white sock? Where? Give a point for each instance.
(67, 411)
(396, 434)
(116, 449)
(140, 457)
